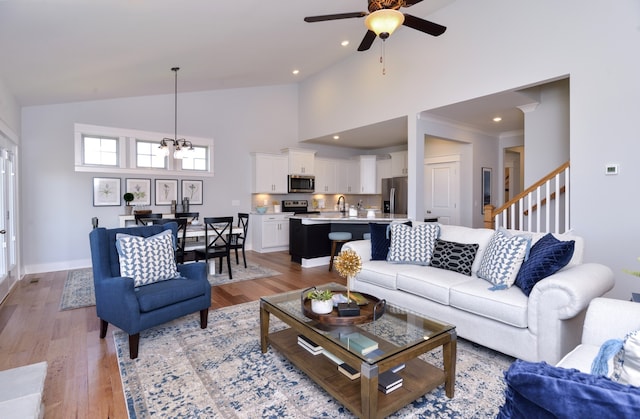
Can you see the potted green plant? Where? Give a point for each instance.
(321, 301)
(128, 197)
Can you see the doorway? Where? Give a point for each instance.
(442, 189)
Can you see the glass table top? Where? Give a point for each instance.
(397, 330)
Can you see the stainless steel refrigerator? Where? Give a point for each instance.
(395, 195)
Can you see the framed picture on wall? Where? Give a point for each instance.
(106, 192)
(486, 187)
(141, 190)
(166, 191)
(192, 189)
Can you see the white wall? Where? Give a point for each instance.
(546, 132)
(497, 45)
(57, 202)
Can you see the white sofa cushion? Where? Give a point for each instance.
(428, 282)
(507, 306)
(380, 273)
(581, 358)
(460, 234)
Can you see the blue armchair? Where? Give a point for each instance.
(134, 309)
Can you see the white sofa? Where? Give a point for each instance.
(606, 319)
(21, 391)
(542, 327)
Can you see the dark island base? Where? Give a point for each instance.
(312, 241)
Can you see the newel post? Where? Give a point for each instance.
(488, 216)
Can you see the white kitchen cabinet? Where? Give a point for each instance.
(348, 176)
(301, 162)
(270, 232)
(367, 174)
(383, 171)
(399, 163)
(269, 173)
(325, 172)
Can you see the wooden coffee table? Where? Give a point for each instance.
(401, 336)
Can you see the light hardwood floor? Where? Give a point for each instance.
(83, 380)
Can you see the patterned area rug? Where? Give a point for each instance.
(78, 288)
(219, 372)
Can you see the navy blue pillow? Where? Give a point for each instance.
(380, 241)
(546, 257)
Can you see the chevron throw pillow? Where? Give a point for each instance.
(147, 260)
(412, 245)
(503, 258)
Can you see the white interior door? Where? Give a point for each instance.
(442, 190)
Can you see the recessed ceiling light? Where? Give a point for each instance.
(344, 43)
(497, 119)
(296, 72)
(336, 137)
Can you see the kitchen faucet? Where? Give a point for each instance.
(344, 206)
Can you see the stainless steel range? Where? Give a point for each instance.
(297, 207)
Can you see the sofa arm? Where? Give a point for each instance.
(115, 299)
(569, 291)
(196, 270)
(610, 319)
(361, 247)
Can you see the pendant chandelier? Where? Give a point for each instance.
(179, 144)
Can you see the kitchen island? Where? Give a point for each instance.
(309, 242)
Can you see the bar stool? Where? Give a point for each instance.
(337, 237)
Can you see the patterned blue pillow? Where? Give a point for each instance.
(147, 260)
(413, 245)
(547, 256)
(452, 256)
(503, 258)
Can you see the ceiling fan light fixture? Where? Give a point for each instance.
(384, 21)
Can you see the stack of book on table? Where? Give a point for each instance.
(389, 381)
(309, 345)
(358, 342)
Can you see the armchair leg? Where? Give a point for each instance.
(103, 328)
(134, 341)
(204, 316)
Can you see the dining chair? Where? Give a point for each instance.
(190, 244)
(145, 219)
(181, 234)
(216, 233)
(238, 239)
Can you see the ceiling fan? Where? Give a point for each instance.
(383, 18)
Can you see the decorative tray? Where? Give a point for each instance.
(370, 310)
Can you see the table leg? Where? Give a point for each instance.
(449, 357)
(264, 327)
(369, 390)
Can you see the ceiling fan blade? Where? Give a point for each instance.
(367, 41)
(423, 25)
(409, 3)
(334, 17)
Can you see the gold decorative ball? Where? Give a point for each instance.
(348, 263)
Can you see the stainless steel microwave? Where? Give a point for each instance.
(302, 183)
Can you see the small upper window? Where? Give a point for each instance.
(195, 159)
(101, 151)
(148, 154)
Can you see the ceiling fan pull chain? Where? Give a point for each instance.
(382, 59)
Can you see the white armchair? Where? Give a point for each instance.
(606, 319)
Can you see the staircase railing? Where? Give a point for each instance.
(542, 207)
